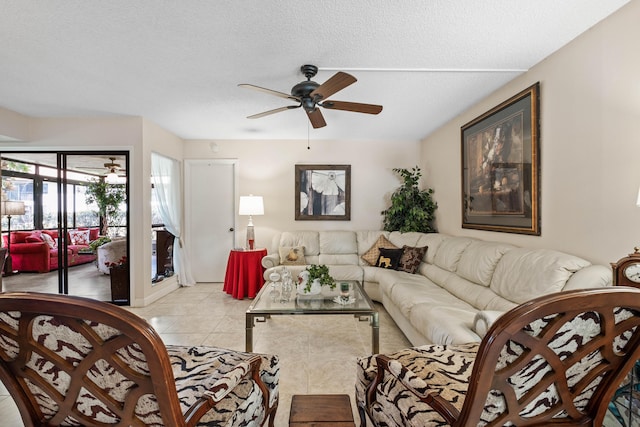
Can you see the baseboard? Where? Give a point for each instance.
(161, 289)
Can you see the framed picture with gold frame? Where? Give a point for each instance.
(323, 192)
(500, 167)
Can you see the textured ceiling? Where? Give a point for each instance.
(178, 63)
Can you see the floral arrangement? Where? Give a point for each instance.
(122, 261)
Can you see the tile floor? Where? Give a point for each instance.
(317, 353)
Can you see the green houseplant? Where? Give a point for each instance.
(411, 209)
(319, 272)
(108, 198)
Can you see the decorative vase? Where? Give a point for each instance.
(303, 279)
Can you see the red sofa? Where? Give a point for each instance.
(29, 254)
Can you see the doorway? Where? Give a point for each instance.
(53, 187)
(210, 216)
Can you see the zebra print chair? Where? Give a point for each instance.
(71, 361)
(557, 359)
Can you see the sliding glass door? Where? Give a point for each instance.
(64, 238)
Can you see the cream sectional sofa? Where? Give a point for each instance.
(462, 283)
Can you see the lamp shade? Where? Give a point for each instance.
(251, 205)
(11, 207)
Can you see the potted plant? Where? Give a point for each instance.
(95, 244)
(108, 197)
(119, 275)
(313, 277)
(411, 209)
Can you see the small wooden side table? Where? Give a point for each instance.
(321, 409)
(243, 277)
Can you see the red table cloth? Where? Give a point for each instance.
(244, 273)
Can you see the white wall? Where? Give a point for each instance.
(266, 168)
(590, 145)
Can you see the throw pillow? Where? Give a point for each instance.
(372, 255)
(79, 237)
(49, 240)
(292, 255)
(35, 237)
(389, 258)
(411, 258)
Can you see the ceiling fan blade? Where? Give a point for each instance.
(352, 106)
(337, 82)
(277, 110)
(316, 119)
(269, 91)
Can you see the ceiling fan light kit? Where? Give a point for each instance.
(311, 95)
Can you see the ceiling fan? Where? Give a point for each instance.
(311, 95)
(112, 166)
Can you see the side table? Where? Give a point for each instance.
(321, 410)
(244, 273)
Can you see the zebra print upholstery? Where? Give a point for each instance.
(556, 359)
(70, 361)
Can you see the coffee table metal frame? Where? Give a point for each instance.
(266, 305)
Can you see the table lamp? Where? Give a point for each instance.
(10, 208)
(251, 205)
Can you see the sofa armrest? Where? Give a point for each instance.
(271, 260)
(413, 383)
(483, 321)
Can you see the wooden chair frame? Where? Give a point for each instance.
(79, 314)
(484, 377)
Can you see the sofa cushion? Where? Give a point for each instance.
(536, 271)
(308, 239)
(53, 243)
(34, 237)
(479, 261)
(94, 233)
(79, 237)
(291, 255)
(338, 242)
(411, 258)
(371, 256)
(19, 236)
(450, 252)
(389, 258)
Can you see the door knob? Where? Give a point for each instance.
(231, 229)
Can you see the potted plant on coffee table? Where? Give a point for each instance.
(311, 280)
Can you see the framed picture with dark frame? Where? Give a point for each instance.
(500, 167)
(323, 192)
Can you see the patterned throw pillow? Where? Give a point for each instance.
(292, 255)
(411, 258)
(389, 258)
(372, 255)
(79, 237)
(49, 240)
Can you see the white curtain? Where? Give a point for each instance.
(165, 177)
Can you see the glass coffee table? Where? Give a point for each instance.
(269, 303)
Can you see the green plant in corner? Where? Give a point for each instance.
(108, 198)
(411, 209)
(321, 272)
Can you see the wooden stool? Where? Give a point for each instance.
(321, 409)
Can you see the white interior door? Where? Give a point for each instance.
(210, 216)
